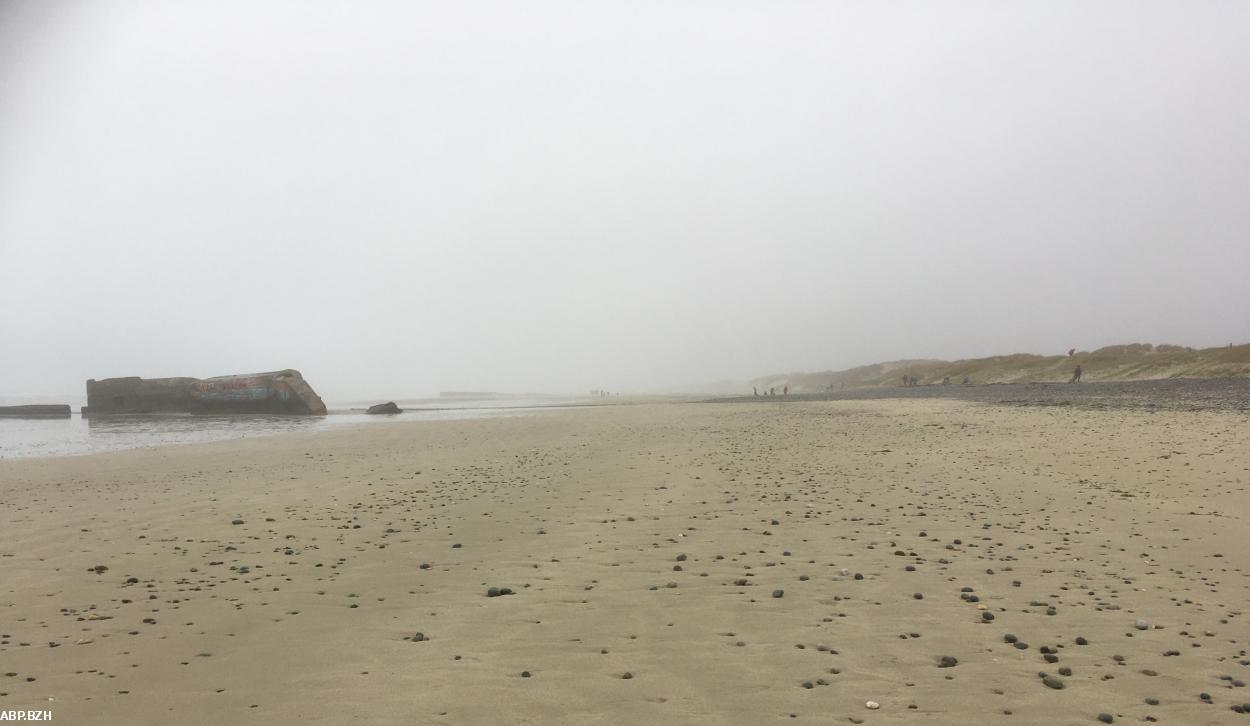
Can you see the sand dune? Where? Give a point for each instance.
(1138, 361)
(671, 563)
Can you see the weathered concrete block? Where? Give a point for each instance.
(279, 392)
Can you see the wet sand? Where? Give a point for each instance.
(1170, 394)
(670, 563)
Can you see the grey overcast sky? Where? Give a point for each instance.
(405, 197)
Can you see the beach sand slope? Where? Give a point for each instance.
(673, 563)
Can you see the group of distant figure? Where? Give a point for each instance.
(910, 381)
(785, 391)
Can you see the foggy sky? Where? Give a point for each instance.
(399, 198)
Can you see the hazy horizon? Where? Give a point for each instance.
(404, 198)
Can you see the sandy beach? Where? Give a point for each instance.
(669, 563)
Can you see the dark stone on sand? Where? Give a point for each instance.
(1081, 641)
(1152, 701)
(808, 684)
(1009, 638)
(418, 637)
(681, 558)
(918, 596)
(236, 521)
(131, 580)
(627, 676)
(948, 661)
(858, 576)
(1021, 646)
(525, 674)
(388, 407)
(1065, 671)
(779, 593)
(1053, 682)
(1105, 717)
(987, 616)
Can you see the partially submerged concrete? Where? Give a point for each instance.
(277, 392)
(58, 410)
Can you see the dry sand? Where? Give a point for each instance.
(642, 540)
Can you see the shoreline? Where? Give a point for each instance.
(123, 432)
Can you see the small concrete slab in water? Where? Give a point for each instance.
(57, 410)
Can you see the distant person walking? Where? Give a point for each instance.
(1071, 352)
(1076, 375)
(786, 391)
